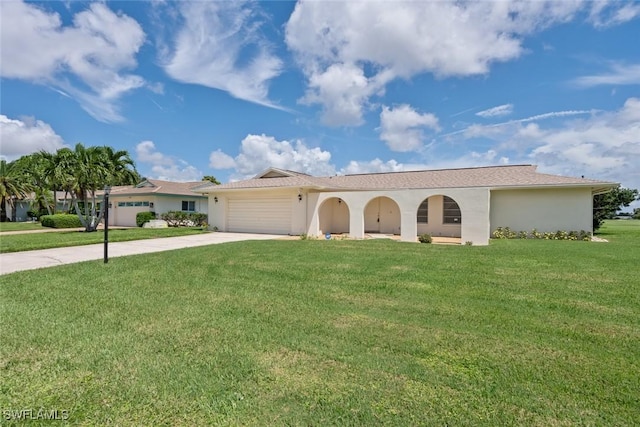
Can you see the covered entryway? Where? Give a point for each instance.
(334, 216)
(259, 215)
(382, 215)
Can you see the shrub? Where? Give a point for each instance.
(198, 219)
(142, 217)
(184, 219)
(507, 233)
(425, 238)
(60, 221)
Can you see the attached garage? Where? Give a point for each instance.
(124, 213)
(259, 215)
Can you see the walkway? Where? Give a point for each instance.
(30, 260)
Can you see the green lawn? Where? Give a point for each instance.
(19, 226)
(32, 241)
(332, 333)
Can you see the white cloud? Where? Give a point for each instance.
(165, 167)
(364, 45)
(500, 110)
(373, 166)
(219, 46)
(220, 160)
(258, 152)
(601, 144)
(605, 145)
(342, 90)
(606, 13)
(26, 136)
(96, 49)
(619, 74)
(402, 127)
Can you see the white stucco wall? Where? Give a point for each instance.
(474, 204)
(126, 215)
(544, 209)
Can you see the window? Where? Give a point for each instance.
(451, 211)
(423, 212)
(189, 206)
(120, 204)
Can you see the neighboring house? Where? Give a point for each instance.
(468, 203)
(153, 195)
(17, 211)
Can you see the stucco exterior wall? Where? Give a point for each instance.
(474, 205)
(545, 210)
(126, 215)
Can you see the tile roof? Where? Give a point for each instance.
(490, 176)
(157, 187)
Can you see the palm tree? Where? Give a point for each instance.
(13, 186)
(122, 170)
(34, 168)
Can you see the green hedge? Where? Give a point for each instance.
(185, 219)
(142, 217)
(60, 221)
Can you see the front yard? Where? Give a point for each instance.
(58, 239)
(332, 333)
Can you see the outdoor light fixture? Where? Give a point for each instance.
(107, 190)
(299, 197)
(215, 199)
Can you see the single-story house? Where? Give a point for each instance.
(153, 195)
(468, 203)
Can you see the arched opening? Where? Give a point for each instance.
(333, 216)
(439, 215)
(382, 215)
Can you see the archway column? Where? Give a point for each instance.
(408, 223)
(356, 222)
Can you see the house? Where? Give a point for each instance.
(468, 203)
(153, 195)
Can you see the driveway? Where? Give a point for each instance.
(30, 260)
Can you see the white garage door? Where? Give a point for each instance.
(260, 216)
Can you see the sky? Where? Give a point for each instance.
(230, 88)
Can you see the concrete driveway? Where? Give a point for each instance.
(30, 260)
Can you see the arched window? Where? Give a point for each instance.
(423, 212)
(451, 211)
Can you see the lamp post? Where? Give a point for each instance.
(107, 190)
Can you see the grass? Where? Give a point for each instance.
(332, 333)
(32, 241)
(19, 226)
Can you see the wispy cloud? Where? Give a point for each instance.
(87, 60)
(220, 46)
(544, 116)
(619, 74)
(500, 110)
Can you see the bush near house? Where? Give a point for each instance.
(184, 219)
(507, 233)
(60, 221)
(425, 238)
(142, 217)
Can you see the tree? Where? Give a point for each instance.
(636, 213)
(13, 186)
(33, 168)
(606, 205)
(84, 171)
(121, 167)
(211, 178)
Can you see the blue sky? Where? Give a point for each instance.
(197, 88)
